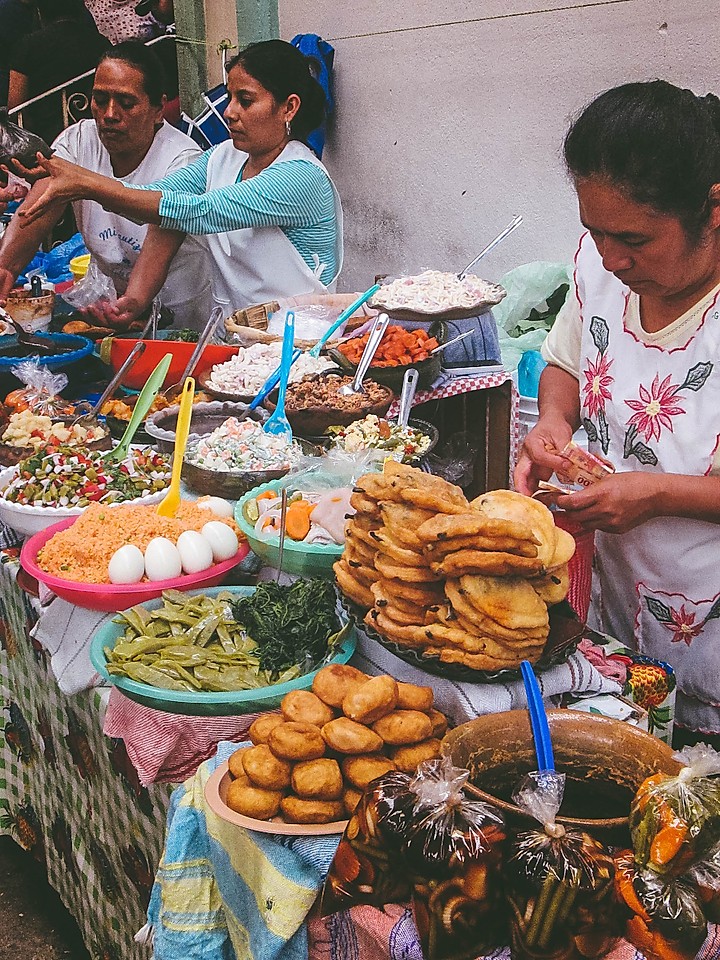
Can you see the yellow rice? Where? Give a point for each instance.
(83, 551)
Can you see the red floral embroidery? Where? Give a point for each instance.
(655, 408)
(683, 626)
(596, 388)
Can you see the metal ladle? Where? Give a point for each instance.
(371, 346)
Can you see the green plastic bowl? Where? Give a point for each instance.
(197, 704)
(301, 559)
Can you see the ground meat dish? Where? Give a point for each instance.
(323, 392)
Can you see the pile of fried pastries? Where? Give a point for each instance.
(311, 762)
(466, 582)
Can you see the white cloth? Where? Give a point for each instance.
(65, 631)
(258, 264)
(654, 409)
(461, 702)
(115, 242)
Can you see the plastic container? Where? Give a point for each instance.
(115, 350)
(300, 559)
(115, 596)
(82, 347)
(32, 313)
(79, 266)
(200, 703)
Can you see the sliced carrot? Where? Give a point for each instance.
(668, 842)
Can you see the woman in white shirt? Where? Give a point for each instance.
(635, 357)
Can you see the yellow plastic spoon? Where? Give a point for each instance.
(168, 507)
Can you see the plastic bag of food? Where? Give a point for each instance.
(666, 920)
(95, 288)
(675, 820)
(19, 144)
(41, 391)
(419, 837)
(705, 878)
(560, 881)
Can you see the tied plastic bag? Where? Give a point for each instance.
(560, 882)
(535, 293)
(420, 837)
(705, 878)
(675, 820)
(95, 288)
(666, 917)
(41, 391)
(19, 144)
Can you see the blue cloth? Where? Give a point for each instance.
(224, 892)
(322, 55)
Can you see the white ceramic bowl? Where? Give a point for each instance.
(29, 520)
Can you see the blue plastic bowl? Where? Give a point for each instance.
(82, 348)
(200, 704)
(301, 559)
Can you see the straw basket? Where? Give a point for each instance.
(580, 565)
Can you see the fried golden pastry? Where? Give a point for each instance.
(253, 801)
(351, 798)
(403, 521)
(485, 563)
(360, 552)
(364, 505)
(359, 771)
(297, 810)
(435, 499)
(296, 741)
(390, 547)
(477, 622)
(365, 574)
(377, 487)
(346, 736)
(564, 548)
(317, 779)
(406, 636)
(508, 505)
(260, 729)
(383, 599)
(439, 548)
(439, 723)
(333, 682)
(372, 700)
(357, 592)
(355, 534)
(475, 523)
(424, 594)
(511, 602)
(403, 727)
(554, 586)
(265, 769)
(306, 707)
(407, 758)
(413, 697)
(390, 570)
(442, 635)
(235, 764)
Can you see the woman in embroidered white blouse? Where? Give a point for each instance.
(635, 358)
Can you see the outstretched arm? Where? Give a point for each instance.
(148, 275)
(20, 245)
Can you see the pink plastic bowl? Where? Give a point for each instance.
(115, 596)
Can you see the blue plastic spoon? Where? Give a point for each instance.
(278, 425)
(538, 719)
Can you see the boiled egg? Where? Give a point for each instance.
(127, 565)
(223, 541)
(195, 551)
(220, 507)
(162, 559)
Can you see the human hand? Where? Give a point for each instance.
(539, 457)
(15, 191)
(67, 182)
(123, 311)
(616, 504)
(7, 282)
(29, 174)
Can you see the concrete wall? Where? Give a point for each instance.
(444, 132)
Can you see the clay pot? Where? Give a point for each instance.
(605, 761)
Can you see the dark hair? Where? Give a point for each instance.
(146, 61)
(283, 70)
(657, 142)
(57, 9)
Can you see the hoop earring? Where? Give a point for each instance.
(287, 127)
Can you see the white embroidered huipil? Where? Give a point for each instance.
(257, 264)
(656, 410)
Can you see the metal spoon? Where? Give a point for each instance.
(203, 341)
(371, 346)
(515, 222)
(410, 383)
(89, 417)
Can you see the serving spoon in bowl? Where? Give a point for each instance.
(376, 335)
(278, 425)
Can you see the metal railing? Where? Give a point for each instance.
(74, 106)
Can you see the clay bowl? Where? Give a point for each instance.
(205, 418)
(314, 421)
(604, 760)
